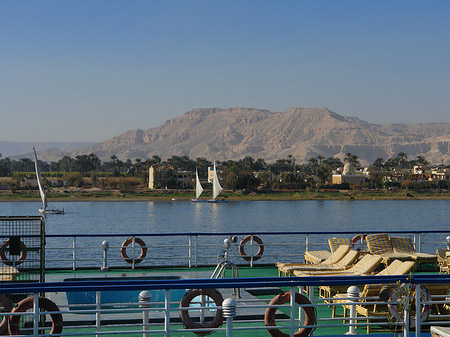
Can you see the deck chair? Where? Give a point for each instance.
(442, 261)
(403, 244)
(363, 267)
(334, 258)
(345, 263)
(396, 267)
(379, 244)
(334, 243)
(316, 256)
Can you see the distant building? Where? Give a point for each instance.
(164, 176)
(349, 176)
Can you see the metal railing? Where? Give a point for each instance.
(160, 318)
(195, 249)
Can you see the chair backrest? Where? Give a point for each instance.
(390, 270)
(337, 255)
(334, 243)
(402, 244)
(379, 244)
(440, 252)
(366, 265)
(349, 258)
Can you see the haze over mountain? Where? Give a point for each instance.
(234, 133)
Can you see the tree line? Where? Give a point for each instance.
(284, 173)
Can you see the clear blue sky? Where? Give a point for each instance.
(88, 70)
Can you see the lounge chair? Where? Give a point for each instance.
(335, 243)
(405, 245)
(396, 267)
(379, 244)
(318, 256)
(334, 258)
(363, 267)
(345, 263)
(442, 261)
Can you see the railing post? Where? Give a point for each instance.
(190, 251)
(167, 314)
(133, 245)
(35, 314)
(98, 306)
(145, 298)
(196, 251)
(229, 311)
(292, 318)
(419, 243)
(418, 305)
(307, 242)
(251, 250)
(74, 253)
(352, 295)
(406, 315)
(105, 246)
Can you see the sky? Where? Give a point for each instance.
(89, 70)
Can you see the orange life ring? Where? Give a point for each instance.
(22, 256)
(424, 297)
(189, 323)
(260, 248)
(310, 316)
(44, 303)
(123, 250)
(7, 306)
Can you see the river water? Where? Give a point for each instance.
(184, 216)
(144, 217)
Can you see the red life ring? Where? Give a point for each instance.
(123, 250)
(424, 297)
(357, 239)
(7, 306)
(22, 256)
(260, 248)
(189, 323)
(44, 303)
(310, 316)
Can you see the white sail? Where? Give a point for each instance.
(40, 182)
(198, 186)
(216, 185)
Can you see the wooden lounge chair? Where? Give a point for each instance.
(442, 260)
(372, 291)
(334, 258)
(345, 263)
(380, 244)
(405, 245)
(8, 273)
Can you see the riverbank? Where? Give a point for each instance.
(168, 195)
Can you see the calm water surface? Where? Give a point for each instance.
(181, 216)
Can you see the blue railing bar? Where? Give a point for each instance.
(214, 283)
(244, 233)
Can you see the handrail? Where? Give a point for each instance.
(217, 283)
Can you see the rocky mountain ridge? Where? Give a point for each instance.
(234, 133)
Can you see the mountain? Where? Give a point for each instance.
(17, 150)
(234, 133)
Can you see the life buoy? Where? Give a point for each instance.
(7, 306)
(44, 303)
(260, 248)
(357, 239)
(22, 256)
(396, 297)
(189, 323)
(310, 316)
(123, 250)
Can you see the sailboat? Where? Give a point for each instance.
(198, 189)
(44, 209)
(217, 189)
